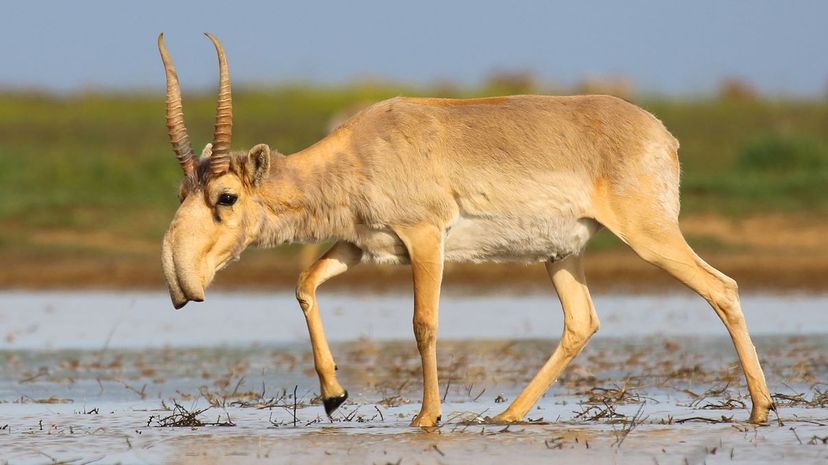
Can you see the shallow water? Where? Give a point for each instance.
(88, 376)
(137, 320)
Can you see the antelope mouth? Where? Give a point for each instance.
(181, 297)
(180, 301)
(179, 304)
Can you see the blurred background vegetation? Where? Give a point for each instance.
(92, 175)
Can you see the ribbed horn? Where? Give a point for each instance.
(176, 129)
(220, 159)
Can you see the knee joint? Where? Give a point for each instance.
(305, 293)
(576, 336)
(573, 341)
(730, 291)
(727, 301)
(425, 332)
(594, 324)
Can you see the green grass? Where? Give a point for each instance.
(750, 157)
(86, 162)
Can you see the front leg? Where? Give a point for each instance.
(335, 261)
(425, 248)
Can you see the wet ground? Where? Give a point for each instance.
(122, 378)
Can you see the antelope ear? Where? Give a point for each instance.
(258, 164)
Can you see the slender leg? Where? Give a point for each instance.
(425, 248)
(666, 248)
(580, 323)
(335, 261)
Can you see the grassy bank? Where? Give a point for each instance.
(93, 175)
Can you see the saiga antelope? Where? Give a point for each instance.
(422, 181)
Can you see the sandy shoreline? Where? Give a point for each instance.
(775, 252)
(616, 270)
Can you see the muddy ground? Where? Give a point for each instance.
(134, 393)
(646, 401)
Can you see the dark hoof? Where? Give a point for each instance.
(332, 403)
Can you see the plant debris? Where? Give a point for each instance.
(181, 417)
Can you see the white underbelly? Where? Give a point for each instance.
(517, 239)
(499, 239)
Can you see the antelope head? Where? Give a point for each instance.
(221, 208)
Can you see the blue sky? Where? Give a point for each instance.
(672, 47)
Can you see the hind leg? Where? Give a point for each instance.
(580, 323)
(660, 242)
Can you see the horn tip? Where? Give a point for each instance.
(213, 39)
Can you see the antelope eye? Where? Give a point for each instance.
(227, 200)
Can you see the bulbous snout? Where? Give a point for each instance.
(196, 246)
(183, 282)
